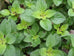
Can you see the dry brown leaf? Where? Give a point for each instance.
(72, 31)
(7, 1)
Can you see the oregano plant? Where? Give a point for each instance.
(37, 28)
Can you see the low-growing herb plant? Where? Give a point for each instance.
(37, 28)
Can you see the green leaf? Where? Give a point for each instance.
(10, 38)
(72, 39)
(51, 52)
(26, 33)
(41, 5)
(58, 31)
(1, 35)
(28, 39)
(21, 1)
(43, 52)
(73, 4)
(24, 55)
(44, 14)
(2, 39)
(20, 11)
(57, 2)
(56, 26)
(27, 16)
(46, 24)
(16, 8)
(10, 1)
(2, 49)
(49, 13)
(15, 4)
(13, 26)
(10, 51)
(64, 27)
(49, 3)
(59, 53)
(35, 40)
(70, 12)
(35, 53)
(5, 12)
(35, 29)
(37, 14)
(13, 18)
(53, 40)
(70, 3)
(18, 51)
(65, 33)
(23, 25)
(13, 11)
(58, 18)
(71, 52)
(42, 34)
(19, 37)
(19, 27)
(29, 3)
(5, 27)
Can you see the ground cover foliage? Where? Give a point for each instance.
(37, 28)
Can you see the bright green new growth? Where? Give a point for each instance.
(44, 14)
(51, 52)
(2, 43)
(32, 36)
(5, 12)
(41, 10)
(62, 30)
(23, 25)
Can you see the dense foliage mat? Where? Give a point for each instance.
(37, 28)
